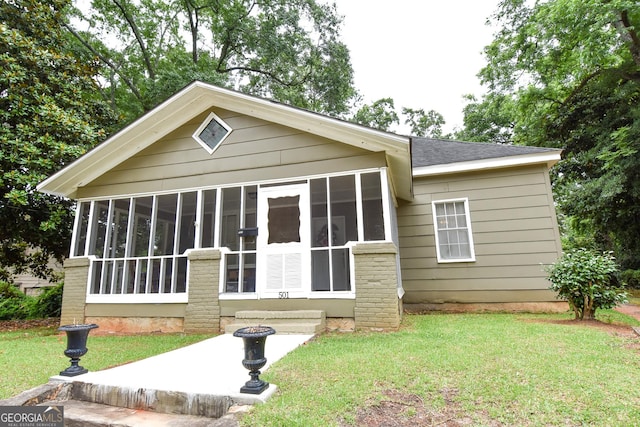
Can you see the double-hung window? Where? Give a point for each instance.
(454, 240)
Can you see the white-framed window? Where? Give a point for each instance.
(138, 244)
(452, 222)
(212, 132)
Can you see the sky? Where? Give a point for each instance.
(422, 53)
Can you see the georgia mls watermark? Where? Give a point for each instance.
(31, 416)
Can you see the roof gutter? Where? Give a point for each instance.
(550, 158)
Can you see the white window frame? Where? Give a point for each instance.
(387, 206)
(441, 258)
(210, 117)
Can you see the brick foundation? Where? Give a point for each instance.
(377, 306)
(76, 272)
(202, 313)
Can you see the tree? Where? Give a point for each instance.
(424, 124)
(586, 280)
(488, 121)
(288, 50)
(566, 74)
(380, 115)
(49, 117)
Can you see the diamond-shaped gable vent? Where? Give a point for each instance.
(212, 132)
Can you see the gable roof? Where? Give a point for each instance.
(198, 97)
(438, 156)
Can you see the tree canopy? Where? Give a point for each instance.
(49, 116)
(65, 71)
(382, 115)
(566, 74)
(287, 50)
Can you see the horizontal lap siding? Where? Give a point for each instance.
(255, 150)
(514, 231)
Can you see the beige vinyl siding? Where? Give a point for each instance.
(514, 230)
(255, 150)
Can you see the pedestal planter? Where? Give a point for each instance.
(76, 347)
(254, 338)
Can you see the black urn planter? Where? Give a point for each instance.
(76, 347)
(254, 338)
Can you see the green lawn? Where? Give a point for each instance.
(634, 296)
(480, 369)
(29, 357)
(486, 369)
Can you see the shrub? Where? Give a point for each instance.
(587, 281)
(49, 302)
(13, 303)
(631, 278)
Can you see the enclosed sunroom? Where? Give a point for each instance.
(285, 239)
(217, 201)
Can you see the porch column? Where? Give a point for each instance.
(74, 293)
(377, 303)
(202, 314)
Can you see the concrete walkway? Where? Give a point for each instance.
(201, 379)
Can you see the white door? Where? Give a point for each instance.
(283, 248)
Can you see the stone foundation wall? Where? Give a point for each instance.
(378, 306)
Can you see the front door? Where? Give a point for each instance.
(283, 241)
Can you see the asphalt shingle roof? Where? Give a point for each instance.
(431, 152)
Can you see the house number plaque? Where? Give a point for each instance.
(283, 295)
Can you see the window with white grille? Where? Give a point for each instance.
(454, 240)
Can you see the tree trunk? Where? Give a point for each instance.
(588, 312)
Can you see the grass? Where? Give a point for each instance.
(485, 369)
(634, 296)
(505, 368)
(29, 357)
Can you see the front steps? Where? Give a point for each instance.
(79, 412)
(283, 321)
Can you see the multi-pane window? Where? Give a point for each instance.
(333, 223)
(454, 240)
(138, 244)
(335, 220)
(239, 233)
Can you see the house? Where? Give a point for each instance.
(217, 202)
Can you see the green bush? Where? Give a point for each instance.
(587, 281)
(49, 302)
(631, 278)
(13, 303)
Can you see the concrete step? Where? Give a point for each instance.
(87, 414)
(163, 401)
(81, 413)
(283, 321)
(280, 327)
(280, 314)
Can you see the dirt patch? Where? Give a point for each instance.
(399, 409)
(615, 329)
(17, 325)
(629, 310)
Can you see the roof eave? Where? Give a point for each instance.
(196, 98)
(549, 158)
